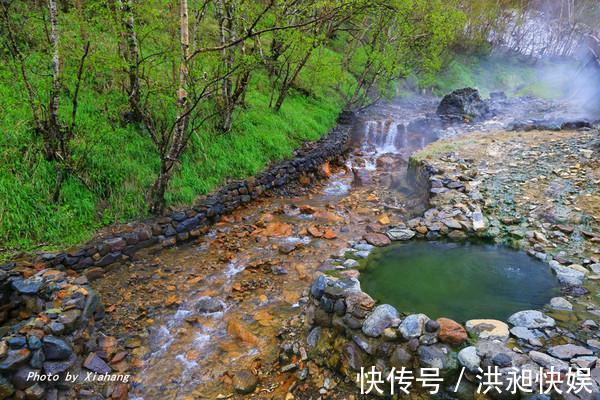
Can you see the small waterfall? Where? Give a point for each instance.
(386, 136)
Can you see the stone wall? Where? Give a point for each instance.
(348, 331)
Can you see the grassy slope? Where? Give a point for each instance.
(122, 163)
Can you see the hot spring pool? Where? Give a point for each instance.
(458, 281)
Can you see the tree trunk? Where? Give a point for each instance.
(133, 60)
(53, 128)
(176, 144)
(285, 87)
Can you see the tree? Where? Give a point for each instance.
(55, 133)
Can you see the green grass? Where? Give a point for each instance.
(121, 162)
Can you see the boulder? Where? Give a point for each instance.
(413, 326)
(56, 349)
(463, 104)
(451, 332)
(377, 239)
(244, 382)
(547, 361)
(397, 234)
(6, 388)
(566, 275)
(469, 359)
(401, 357)
(560, 303)
(382, 317)
(531, 319)
(488, 329)
(568, 351)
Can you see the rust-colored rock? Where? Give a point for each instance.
(451, 332)
(377, 239)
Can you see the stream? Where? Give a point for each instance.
(193, 315)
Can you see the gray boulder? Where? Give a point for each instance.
(382, 317)
(531, 319)
(413, 326)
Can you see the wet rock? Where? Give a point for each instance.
(244, 382)
(381, 318)
(451, 332)
(318, 287)
(526, 335)
(432, 326)
(488, 329)
(96, 364)
(547, 361)
(377, 239)
(58, 367)
(560, 303)
(469, 359)
(37, 359)
(568, 351)
(56, 349)
(209, 305)
(413, 326)
(313, 337)
(502, 360)
(566, 275)
(397, 234)
(463, 104)
(16, 342)
(14, 358)
(436, 356)
(27, 286)
(532, 319)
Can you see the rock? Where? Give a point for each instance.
(469, 359)
(396, 234)
(451, 332)
(435, 356)
(432, 326)
(566, 275)
(401, 358)
(525, 334)
(488, 329)
(363, 247)
(56, 349)
(27, 286)
(352, 356)
(244, 382)
(69, 319)
(532, 319)
(585, 361)
(547, 361)
(350, 263)
(560, 303)
(382, 317)
(96, 364)
(412, 326)
(478, 221)
(209, 305)
(593, 343)
(14, 358)
(58, 367)
(318, 287)
(568, 351)
(377, 239)
(6, 388)
(502, 360)
(463, 104)
(313, 337)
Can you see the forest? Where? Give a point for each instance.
(114, 110)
